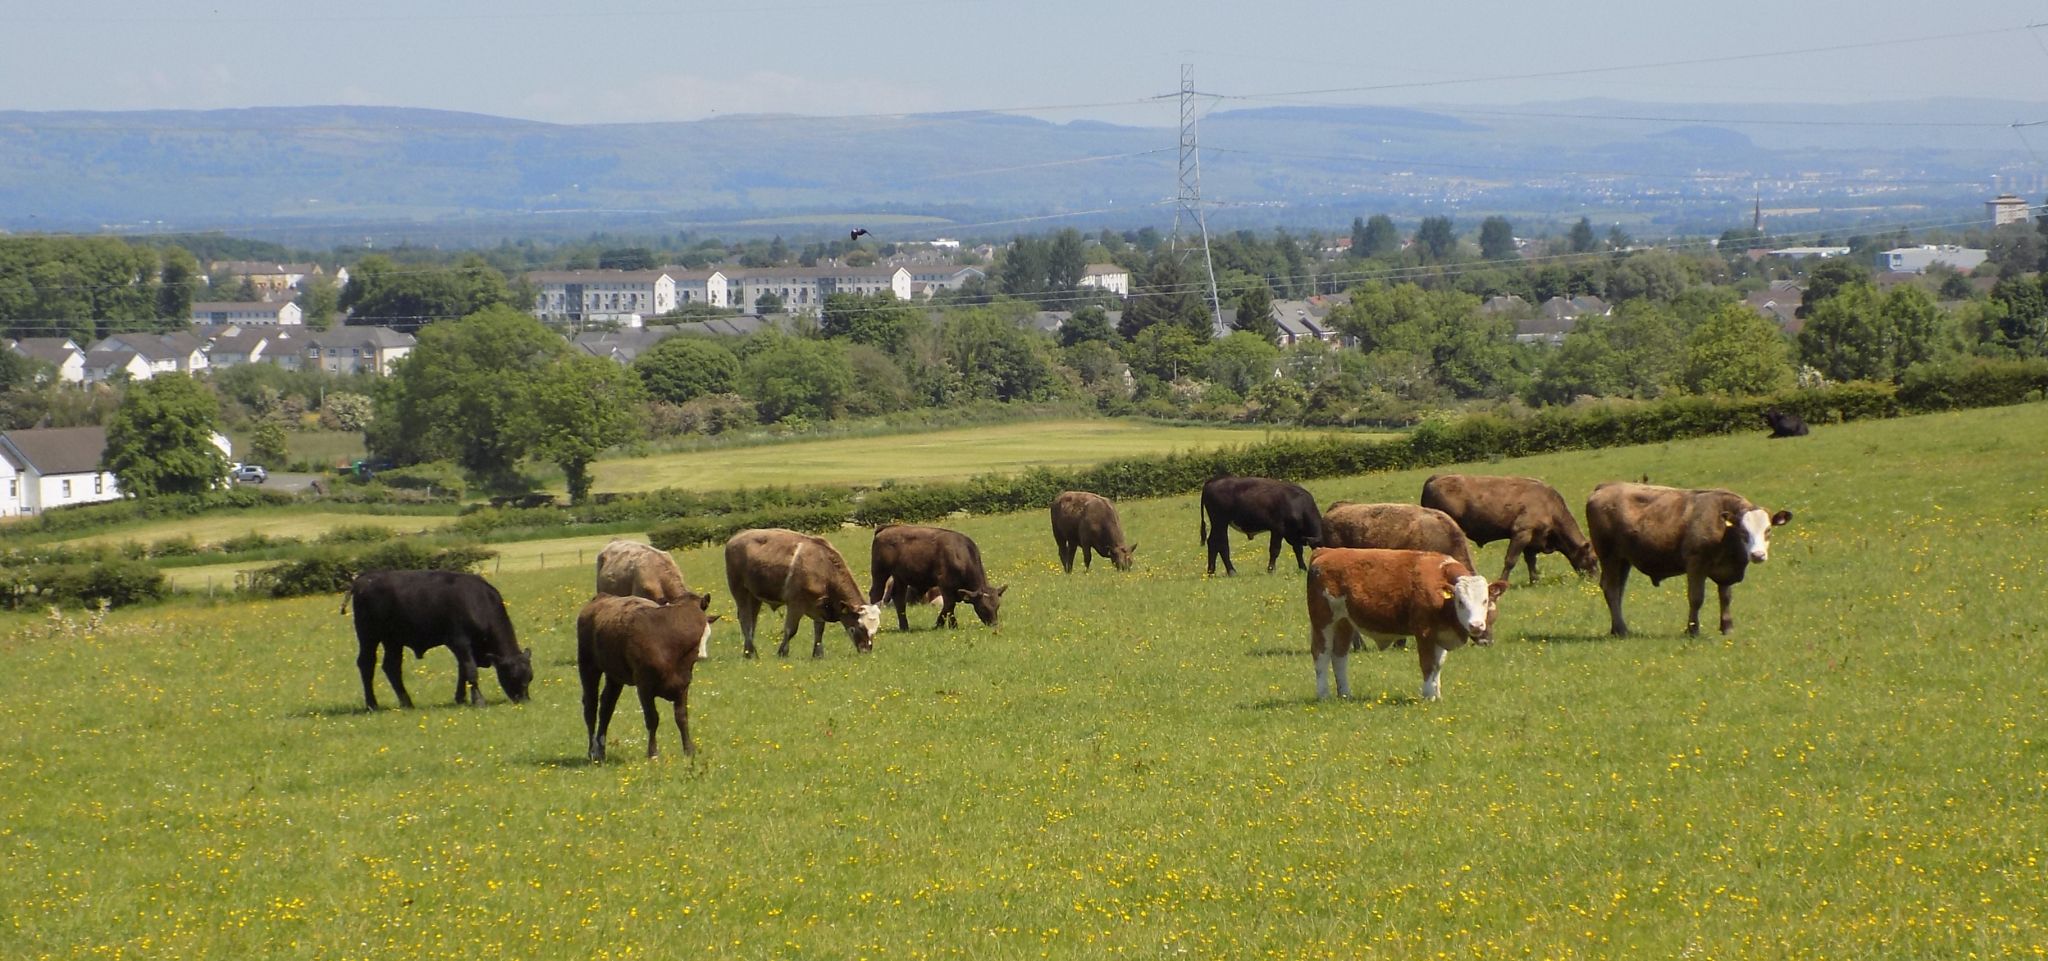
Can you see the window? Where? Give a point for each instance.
(67, 489)
(99, 483)
(13, 487)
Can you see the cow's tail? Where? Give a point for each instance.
(1202, 511)
(348, 594)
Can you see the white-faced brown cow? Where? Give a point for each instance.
(1528, 513)
(1088, 522)
(1664, 532)
(629, 569)
(807, 577)
(908, 560)
(634, 642)
(1392, 595)
(1405, 527)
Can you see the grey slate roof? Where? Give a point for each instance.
(60, 450)
(360, 338)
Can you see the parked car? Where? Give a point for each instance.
(250, 474)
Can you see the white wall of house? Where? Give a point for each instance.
(10, 489)
(58, 490)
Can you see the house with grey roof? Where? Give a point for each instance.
(347, 350)
(61, 353)
(101, 365)
(179, 352)
(260, 313)
(53, 467)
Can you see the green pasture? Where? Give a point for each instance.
(935, 455)
(306, 524)
(1135, 766)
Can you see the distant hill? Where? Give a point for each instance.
(370, 170)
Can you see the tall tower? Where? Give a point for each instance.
(1188, 200)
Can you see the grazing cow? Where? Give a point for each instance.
(1530, 514)
(1403, 527)
(803, 574)
(1663, 532)
(1390, 596)
(907, 560)
(1089, 522)
(1784, 423)
(427, 609)
(634, 642)
(1255, 505)
(629, 569)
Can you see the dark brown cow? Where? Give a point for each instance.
(1255, 505)
(1528, 513)
(1664, 532)
(803, 574)
(1088, 522)
(1403, 527)
(628, 569)
(653, 648)
(422, 610)
(1785, 423)
(1390, 596)
(908, 560)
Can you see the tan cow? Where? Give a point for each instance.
(1664, 532)
(629, 569)
(1405, 527)
(1391, 595)
(1528, 513)
(634, 642)
(807, 577)
(1088, 522)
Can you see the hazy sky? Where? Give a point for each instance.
(653, 60)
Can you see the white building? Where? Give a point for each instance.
(104, 365)
(174, 353)
(602, 296)
(1916, 260)
(700, 287)
(804, 289)
(61, 353)
(262, 313)
(1109, 277)
(52, 468)
(2007, 209)
(927, 280)
(346, 350)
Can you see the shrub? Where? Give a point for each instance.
(329, 570)
(438, 477)
(118, 582)
(690, 532)
(356, 534)
(1973, 382)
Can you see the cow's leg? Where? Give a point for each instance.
(683, 721)
(1067, 556)
(592, 679)
(466, 689)
(1519, 545)
(607, 702)
(652, 717)
(791, 620)
(1432, 656)
(1695, 595)
(946, 616)
(1727, 592)
(1219, 546)
(366, 662)
(1613, 581)
(901, 598)
(746, 608)
(817, 637)
(394, 662)
(1087, 560)
(1299, 564)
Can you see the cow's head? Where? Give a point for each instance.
(1753, 528)
(864, 623)
(515, 674)
(987, 602)
(1583, 559)
(1121, 555)
(1473, 601)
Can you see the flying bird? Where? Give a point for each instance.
(856, 234)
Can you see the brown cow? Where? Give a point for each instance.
(1403, 527)
(1388, 596)
(804, 574)
(635, 642)
(1089, 522)
(629, 569)
(1530, 514)
(1664, 532)
(909, 560)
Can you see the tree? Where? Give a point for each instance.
(581, 406)
(160, 441)
(1166, 351)
(318, 303)
(768, 303)
(877, 319)
(791, 377)
(1618, 239)
(348, 411)
(269, 445)
(1583, 364)
(1088, 323)
(1255, 313)
(2022, 324)
(681, 369)
(1380, 238)
(1167, 296)
(997, 357)
(626, 258)
(1847, 337)
(1436, 238)
(381, 293)
(1581, 237)
(1824, 280)
(1496, 239)
(1241, 361)
(179, 277)
(459, 395)
(1737, 351)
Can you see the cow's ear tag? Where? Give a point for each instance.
(1448, 593)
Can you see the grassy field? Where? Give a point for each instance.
(281, 522)
(1134, 766)
(937, 455)
(330, 448)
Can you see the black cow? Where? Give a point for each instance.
(1784, 423)
(1256, 505)
(427, 609)
(907, 561)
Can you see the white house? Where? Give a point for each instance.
(804, 289)
(700, 287)
(346, 350)
(927, 280)
(61, 353)
(104, 365)
(262, 313)
(1109, 277)
(1916, 260)
(179, 353)
(54, 467)
(622, 296)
